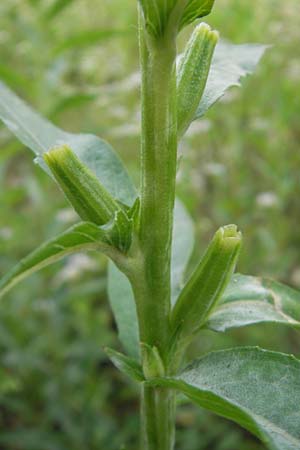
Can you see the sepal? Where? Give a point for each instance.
(125, 364)
(153, 365)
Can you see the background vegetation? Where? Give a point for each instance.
(76, 61)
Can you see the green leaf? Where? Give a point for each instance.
(120, 292)
(40, 135)
(249, 300)
(203, 290)
(183, 244)
(230, 63)
(258, 389)
(125, 364)
(195, 9)
(82, 236)
(123, 306)
(159, 13)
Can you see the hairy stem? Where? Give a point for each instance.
(151, 279)
(158, 419)
(158, 172)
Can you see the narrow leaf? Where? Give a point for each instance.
(125, 364)
(40, 135)
(82, 236)
(249, 300)
(258, 389)
(230, 63)
(203, 290)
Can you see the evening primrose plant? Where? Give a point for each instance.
(148, 237)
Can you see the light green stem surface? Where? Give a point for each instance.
(158, 172)
(158, 419)
(151, 281)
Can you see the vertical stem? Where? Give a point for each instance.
(158, 419)
(151, 282)
(158, 172)
(150, 277)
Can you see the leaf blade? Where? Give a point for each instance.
(183, 244)
(250, 300)
(230, 64)
(123, 307)
(40, 135)
(82, 236)
(250, 386)
(195, 9)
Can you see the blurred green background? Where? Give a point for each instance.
(76, 61)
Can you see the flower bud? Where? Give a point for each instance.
(193, 70)
(86, 194)
(153, 366)
(203, 290)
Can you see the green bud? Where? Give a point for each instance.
(86, 194)
(192, 74)
(153, 366)
(205, 287)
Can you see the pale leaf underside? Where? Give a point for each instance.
(256, 388)
(250, 300)
(229, 65)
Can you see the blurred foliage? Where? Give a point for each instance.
(76, 61)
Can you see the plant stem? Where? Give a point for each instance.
(158, 172)
(158, 419)
(151, 280)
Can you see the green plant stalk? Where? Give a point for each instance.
(158, 172)
(158, 418)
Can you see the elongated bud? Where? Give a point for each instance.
(203, 290)
(152, 363)
(192, 74)
(86, 194)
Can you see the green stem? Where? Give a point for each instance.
(158, 172)
(150, 278)
(158, 419)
